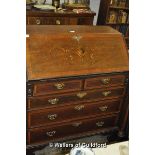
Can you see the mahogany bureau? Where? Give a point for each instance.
(77, 82)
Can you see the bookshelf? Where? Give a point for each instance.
(115, 13)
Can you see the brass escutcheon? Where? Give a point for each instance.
(79, 107)
(100, 124)
(104, 108)
(50, 133)
(57, 22)
(81, 94)
(52, 116)
(106, 93)
(105, 80)
(53, 101)
(38, 21)
(77, 37)
(59, 86)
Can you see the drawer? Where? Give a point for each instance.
(47, 21)
(56, 87)
(85, 20)
(63, 114)
(69, 129)
(104, 81)
(72, 98)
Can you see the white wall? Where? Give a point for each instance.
(94, 5)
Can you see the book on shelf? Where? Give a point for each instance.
(127, 21)
(122, 16)
(113, 2)
(112, 18)
(118, 17)
(122, 3)
(127, 3)
(127, 32)
(124, 29)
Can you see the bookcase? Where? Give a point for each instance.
(115, 13)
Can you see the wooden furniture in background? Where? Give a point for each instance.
(77, 83)
(40, 17)
(115, 13)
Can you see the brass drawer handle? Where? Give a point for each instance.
(38, 21)
(81, 95)
(106, 93)
(52, 117)
(104, 108)
(58, 22)
(50, 133)
(53, 101)
(79, 107)
(100, 124)
(105, 80)
(59, 86)
(77, 124)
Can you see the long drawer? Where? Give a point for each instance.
(63, 114)
(73, 128)
(48, 21)
(78, 97)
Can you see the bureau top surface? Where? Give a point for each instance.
(60, 51)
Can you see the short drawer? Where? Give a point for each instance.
(104, 81)
(47, 21)
(48, 133)
(63, 114)
(73, 98)
(46, 88)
